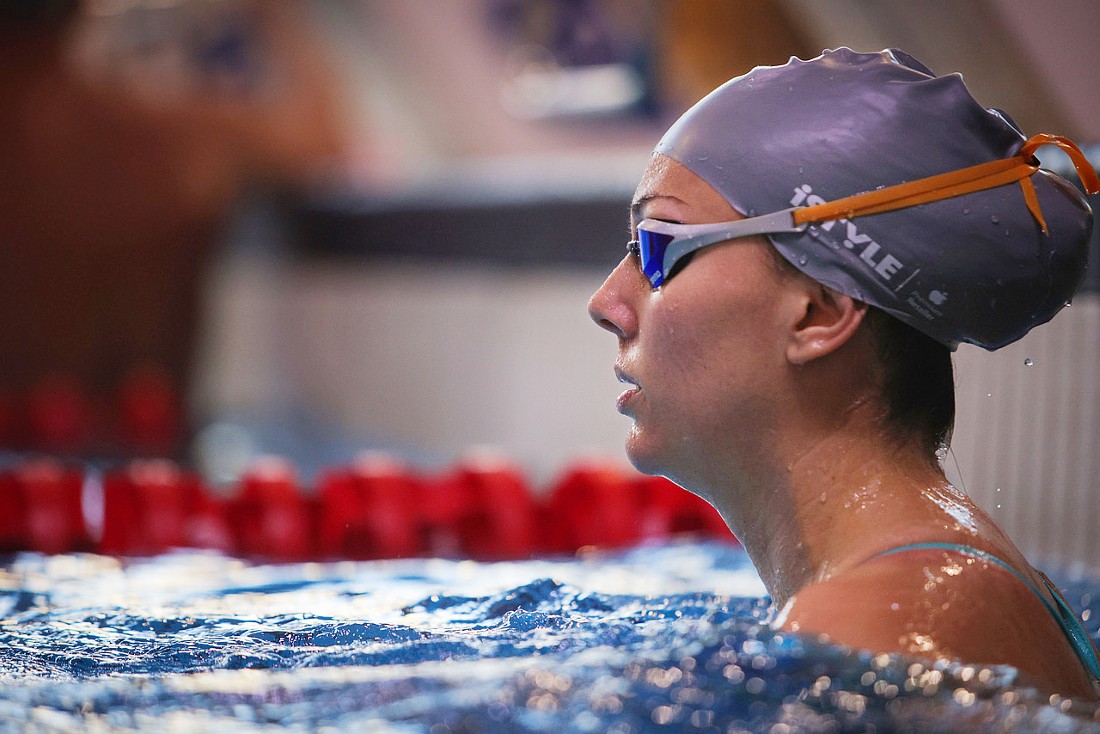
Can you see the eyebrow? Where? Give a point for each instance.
(637, 204)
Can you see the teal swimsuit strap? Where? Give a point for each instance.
(1065, 617)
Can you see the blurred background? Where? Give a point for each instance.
(233, 228)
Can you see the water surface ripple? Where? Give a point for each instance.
(662, 638)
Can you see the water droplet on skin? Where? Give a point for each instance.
(1028, 362)
(998, 507)
(989, 395)
(1067, 304)
(998, 489)
(823, 497)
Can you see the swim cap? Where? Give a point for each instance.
(974, 268)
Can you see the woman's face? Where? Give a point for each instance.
(704, 354)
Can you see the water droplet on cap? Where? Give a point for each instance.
(1028, 362)
(966, 212)
(802, 260)
(995, 219)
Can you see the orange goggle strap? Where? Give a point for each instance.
(956, 183)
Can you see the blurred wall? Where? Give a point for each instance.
(129, 131)
(1036, 61)
(476, 104)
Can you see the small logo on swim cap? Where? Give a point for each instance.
(937, 297)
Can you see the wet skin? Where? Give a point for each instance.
(695, 329)
(755, 387)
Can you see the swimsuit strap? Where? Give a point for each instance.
(1061, 611)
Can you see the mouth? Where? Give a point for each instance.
(628, 394)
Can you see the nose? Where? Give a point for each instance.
(611, 305)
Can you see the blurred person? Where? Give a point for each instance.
(811, 242)
(120, 173)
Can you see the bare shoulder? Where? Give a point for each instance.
(887, 604)
(940, 604)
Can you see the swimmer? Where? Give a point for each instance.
(791, 363)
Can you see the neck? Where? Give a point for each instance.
(830, 498)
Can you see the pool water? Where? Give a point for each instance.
(668, 637)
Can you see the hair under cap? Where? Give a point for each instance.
(975, 268)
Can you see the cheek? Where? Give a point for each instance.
(719, 352)
(686, 340)
(716, 330)
(691, 374)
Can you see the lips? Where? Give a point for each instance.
(627, 395)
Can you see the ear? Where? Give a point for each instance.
(828, 321)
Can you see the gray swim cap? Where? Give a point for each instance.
(974, 268)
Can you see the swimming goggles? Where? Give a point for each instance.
(661, 245)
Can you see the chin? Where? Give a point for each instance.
(643, 454)
(650, 455)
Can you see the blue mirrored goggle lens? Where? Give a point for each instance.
(651, 252)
